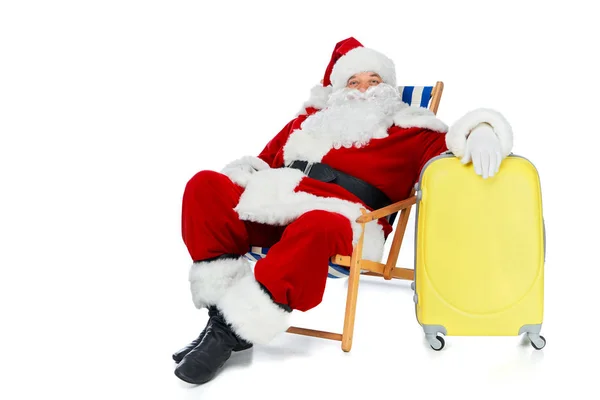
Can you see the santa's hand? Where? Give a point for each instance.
(240, 171)
(484, 150)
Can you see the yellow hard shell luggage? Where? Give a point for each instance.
(479, 251)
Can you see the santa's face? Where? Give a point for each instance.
(379, 99)
(363, 81)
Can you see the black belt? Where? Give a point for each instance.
(369, 194)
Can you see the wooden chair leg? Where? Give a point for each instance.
(352, 296)
(396, 244)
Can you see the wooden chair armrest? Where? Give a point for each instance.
(385, 211)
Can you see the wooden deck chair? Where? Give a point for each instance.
(353, 266)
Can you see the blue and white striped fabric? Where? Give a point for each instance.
(335, 271)
(418, 96)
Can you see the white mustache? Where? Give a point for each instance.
(379, 92)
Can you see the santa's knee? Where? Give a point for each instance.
(325, 226)
(210, 190)
(321, 221)
(206, 182)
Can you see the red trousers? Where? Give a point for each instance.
(295, 269)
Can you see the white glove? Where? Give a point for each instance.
(484, 150)
(240, 171)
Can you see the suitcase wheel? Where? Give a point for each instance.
(537, 341)
(436, 342)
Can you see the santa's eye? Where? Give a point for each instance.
(354, 83)
(375, 82)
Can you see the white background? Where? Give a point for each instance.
(107, 108)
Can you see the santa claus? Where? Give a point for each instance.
(354, 145)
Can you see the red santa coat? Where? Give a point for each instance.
(275, 195)
(278, 195)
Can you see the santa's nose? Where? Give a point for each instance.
(363, 88)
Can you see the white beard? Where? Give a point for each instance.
(351, 118)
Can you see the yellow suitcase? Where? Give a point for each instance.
(479, 251)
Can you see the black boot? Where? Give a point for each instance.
(212, 312)
(178, 356)
(202, 363)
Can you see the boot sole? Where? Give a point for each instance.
(180, 356)
(197, 381)
(190, 380)
(246, 347)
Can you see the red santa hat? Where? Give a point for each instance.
(350, 57)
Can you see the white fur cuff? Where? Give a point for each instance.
(252, 313)
(210, 280)
(456, 138)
